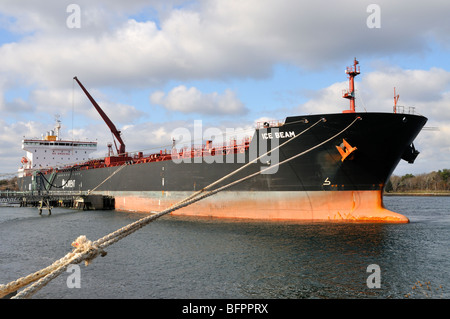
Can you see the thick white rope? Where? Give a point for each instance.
(86, 250)
(114, 173)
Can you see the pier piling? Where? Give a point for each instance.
(48, 200)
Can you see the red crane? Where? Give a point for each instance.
(112, 127)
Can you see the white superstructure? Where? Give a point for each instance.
(52, 152)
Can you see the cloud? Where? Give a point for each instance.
(11, 136)
(50, 17)
(427, 91)
(192, 100)
(211, 39)
(68, 103)
(417, 85)
(326, 100)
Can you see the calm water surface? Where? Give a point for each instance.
(181, 257)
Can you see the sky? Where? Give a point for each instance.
(155, 66)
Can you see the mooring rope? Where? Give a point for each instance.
(114, 173)
(85, 250)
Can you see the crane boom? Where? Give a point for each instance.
(112, 127)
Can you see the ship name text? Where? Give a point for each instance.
(272, 135)
(70, 183)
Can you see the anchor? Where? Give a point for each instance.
(345, 149)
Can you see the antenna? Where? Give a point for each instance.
(396, 97)
(352, 71)
(57, 126)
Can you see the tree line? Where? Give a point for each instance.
(429, 182)
(9, 184)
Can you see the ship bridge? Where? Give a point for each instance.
(51, 151)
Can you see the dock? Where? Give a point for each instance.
(46, 200)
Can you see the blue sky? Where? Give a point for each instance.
(158, 65)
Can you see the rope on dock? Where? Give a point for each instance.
(85, 250)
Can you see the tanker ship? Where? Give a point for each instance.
(323, 167)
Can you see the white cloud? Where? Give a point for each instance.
(428, 91)
(211, 39)
(119, 113)
(11, 136)
(416, 85)
(49, 17)
(326, 100)
(68, 103)
(193, 100)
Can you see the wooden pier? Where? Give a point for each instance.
(46, 200)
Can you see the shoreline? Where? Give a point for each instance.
(416, 194)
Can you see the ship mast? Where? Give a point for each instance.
(112, 127)
(396, 97)
(57, 127)
(352, 71)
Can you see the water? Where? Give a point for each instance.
(192, 258)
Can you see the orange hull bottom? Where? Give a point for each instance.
(344, 206)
